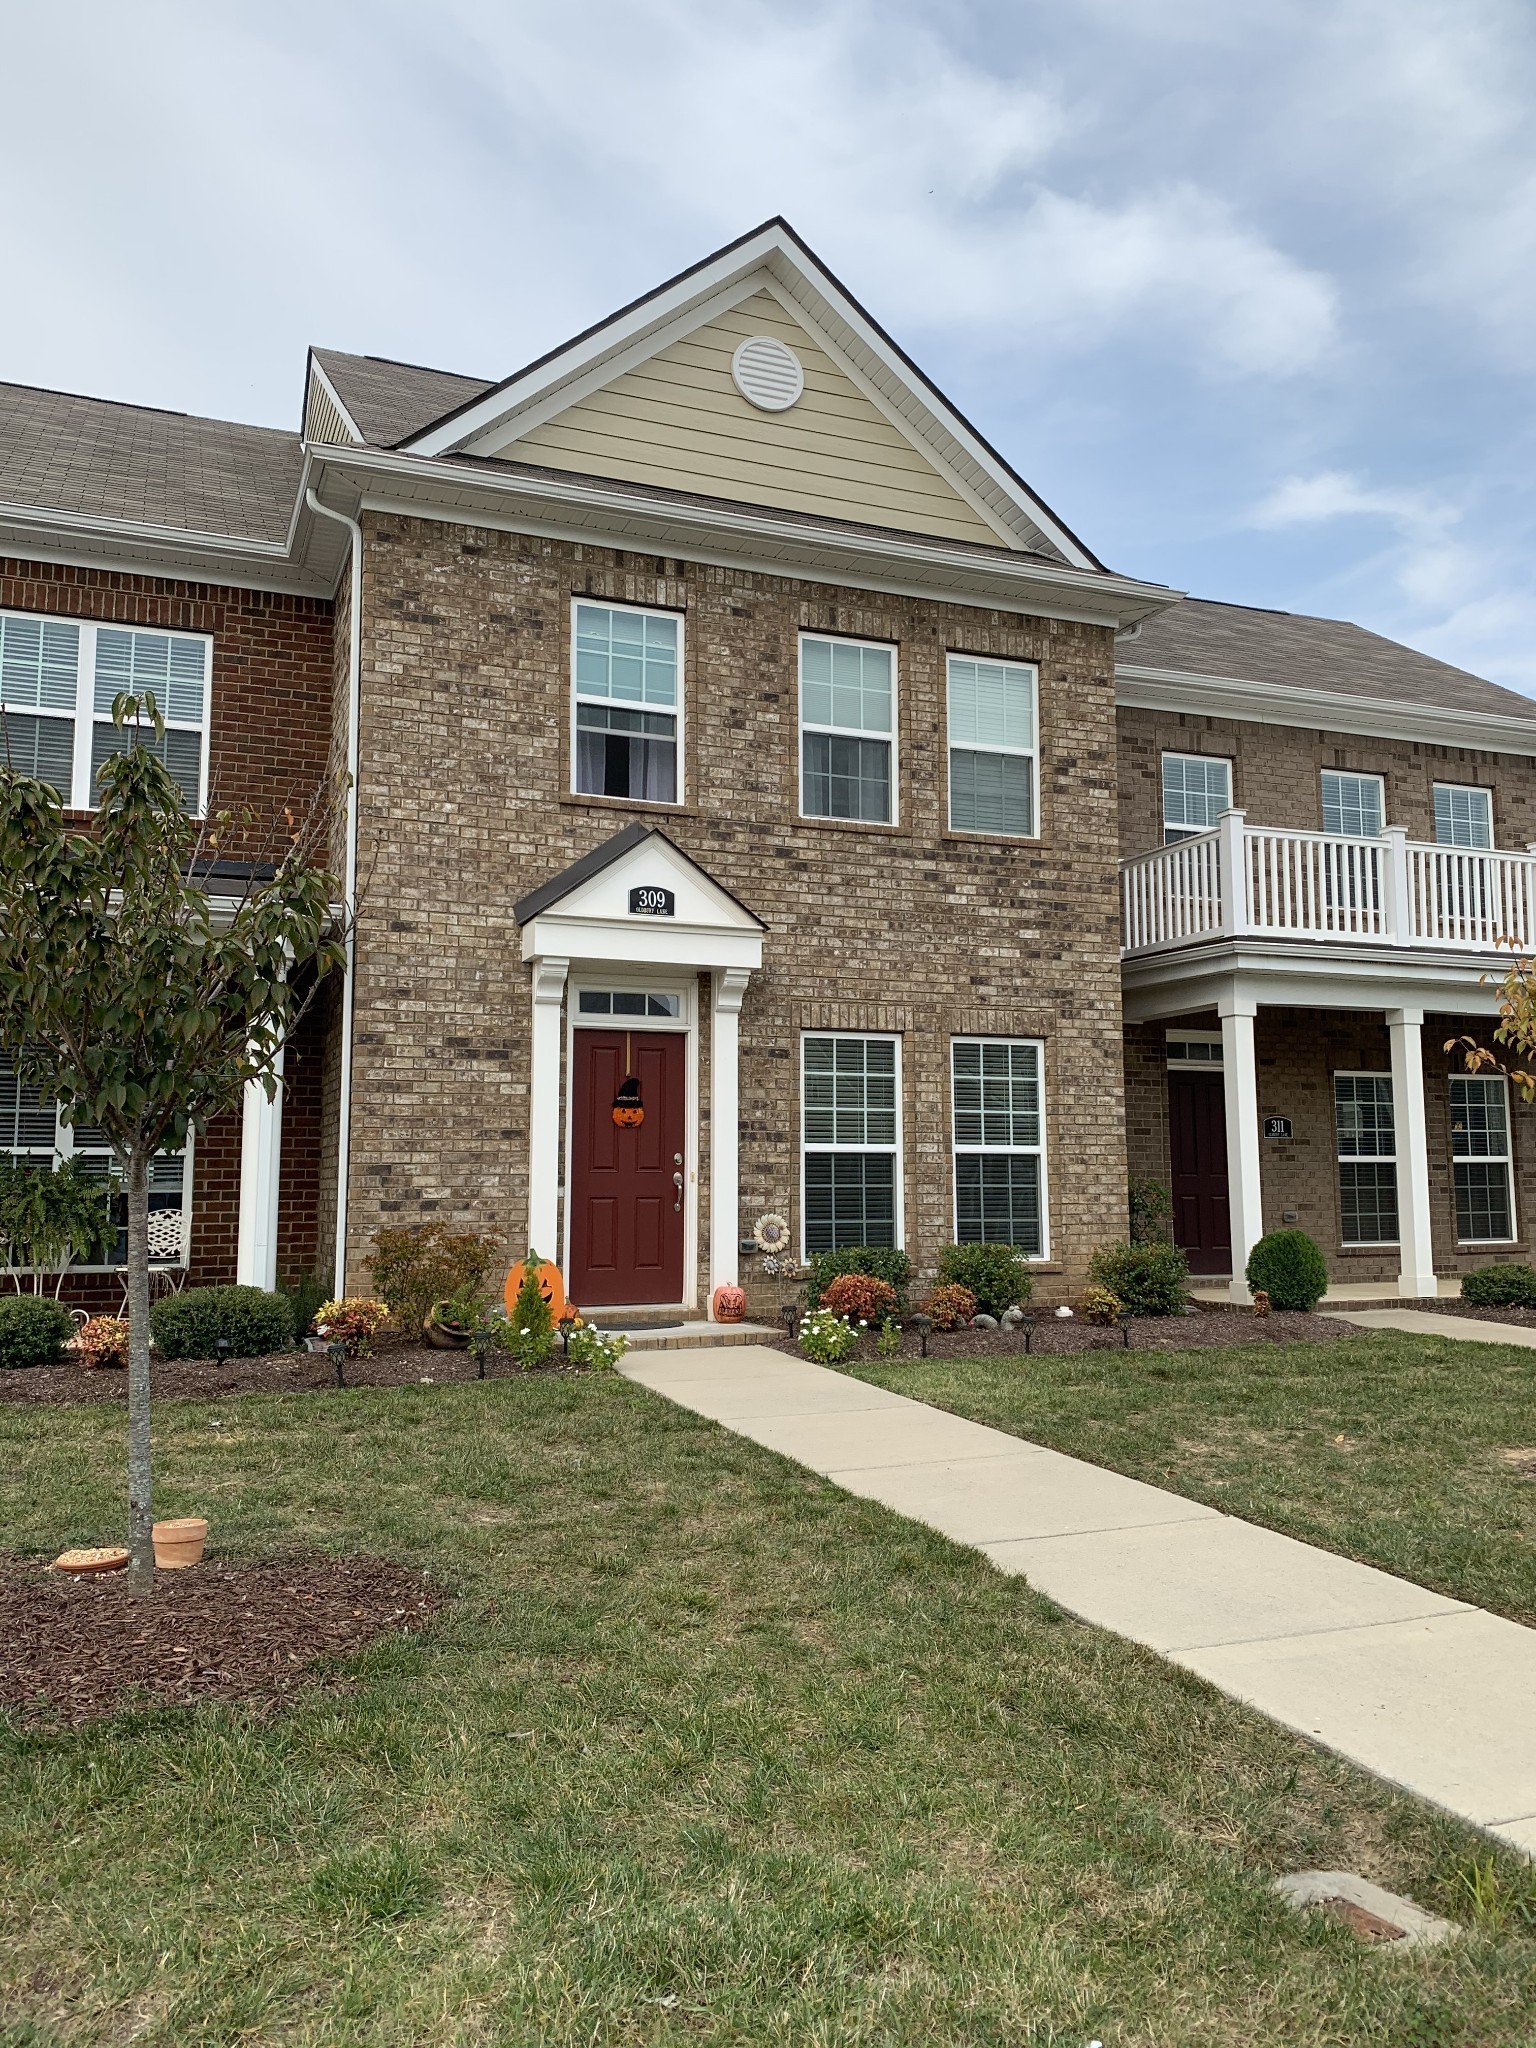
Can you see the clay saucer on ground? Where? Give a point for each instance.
(108, 1559)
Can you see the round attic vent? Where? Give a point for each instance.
(767, 374)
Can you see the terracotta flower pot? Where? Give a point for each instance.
(178, 1544)
(105, 1559)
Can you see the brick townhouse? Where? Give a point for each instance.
(762, 803)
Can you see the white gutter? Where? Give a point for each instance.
(349, 899)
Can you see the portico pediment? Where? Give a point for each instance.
(639, 898)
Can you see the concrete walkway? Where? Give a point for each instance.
(1428, 1692)
(1424, 1322)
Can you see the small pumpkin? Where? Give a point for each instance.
(730, 1304)
(551, 1286)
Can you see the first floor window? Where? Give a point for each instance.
(999, 1142)
(847, 730)
(1367, 1149)
(991, 746)
(1480, 1159)
(628, 702)
(849, 1139)
(1196, 790)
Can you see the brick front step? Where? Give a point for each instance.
(688, 1336)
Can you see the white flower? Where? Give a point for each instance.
(522, 1333)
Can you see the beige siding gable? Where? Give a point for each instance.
(677, 420)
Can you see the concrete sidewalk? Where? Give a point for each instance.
(1425, 1322)
(1431, 1693)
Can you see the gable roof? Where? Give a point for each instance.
(1288, 650)
(773, 257)
(61, 453)
(388, 402)
(602, 857)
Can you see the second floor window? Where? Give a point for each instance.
(1463, 816)
(1196, 790)
(847, 730)
(991, 747)
(628, 698)
(1353, 806)
(58, 680)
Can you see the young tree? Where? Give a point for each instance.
(1515, 1030)
(140, 999)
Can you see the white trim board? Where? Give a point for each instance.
(1231, 697)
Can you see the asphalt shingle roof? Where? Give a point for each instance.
(63, 453)
(387, 400)
(1198, 637)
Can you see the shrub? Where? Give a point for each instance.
(1146, 1279)
(1151, 1211)
(353, 1321)
(103, 1341)
(995, 1275)
(252, 1322)
(888, 1343)
(529, 1332)
(860, 1297)
(418, 1264)
(826, 1338)
(595, 1351)
(33, 1330)
(950, 1308)
(307, 1294)
(1290, 1268)
(1098, 1305)
(883, 1263)
(1509, 1286)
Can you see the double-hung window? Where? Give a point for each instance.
(1463, 816)
(992, 773)
(59, 679)
(847, 730)
(850, 1140)
(1353, 806)
(1480, 1159)
(1367, 1148)
(999, 1142)
(1197, 788)
(628, 702)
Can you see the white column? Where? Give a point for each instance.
(544, 1110)
(1240, 1079)
(730, 985)
(1397, 904)
(1232, 851)
(261, 1159)
(1416, 1274)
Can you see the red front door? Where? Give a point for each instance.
(627, 1181)
(1197, 1142)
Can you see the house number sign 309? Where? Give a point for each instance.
(652, 903)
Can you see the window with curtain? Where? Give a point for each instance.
(847, 730)
(992, 746)
(1481, 1160)
(849, 1140)
(58, 681)
(1366, 1139)
(628, 698)
(1353, 805)
(1197, 788)
(1463, 816)
(999, 1135)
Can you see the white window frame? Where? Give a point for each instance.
(897, 1149)
(648, 611)
(891, 739)
(81, 795)
(1210, 1060)
(1462, 789)
(1205, 760)
(1362, 1158)
(984, 1150)
(1030, 753)
(1484, 1159)
(1353, 775)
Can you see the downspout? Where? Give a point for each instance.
(354, 695)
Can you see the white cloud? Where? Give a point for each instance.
(1334, 494)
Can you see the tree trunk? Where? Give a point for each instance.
(141, 1546)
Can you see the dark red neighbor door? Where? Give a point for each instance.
(1197, 1133)
(626, 1208)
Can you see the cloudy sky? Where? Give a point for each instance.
(1248, 292)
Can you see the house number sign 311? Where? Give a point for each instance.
(652, 903)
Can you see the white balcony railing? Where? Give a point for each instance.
(1245, 880)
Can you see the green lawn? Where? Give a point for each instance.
(704, 1752)
(1384, 1447)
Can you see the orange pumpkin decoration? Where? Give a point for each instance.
(628, 1110)
(730, 1304)
(551, 1286)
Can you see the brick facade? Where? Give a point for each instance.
(464, 805)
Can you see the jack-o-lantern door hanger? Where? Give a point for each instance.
(628, 1109)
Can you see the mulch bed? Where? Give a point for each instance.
(1205, 1325)
(73, 1650)
(286, 1372)
(1524, 1316)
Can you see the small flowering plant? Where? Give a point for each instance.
(596, 1350)
(353, 1321)
(103, 1342)
(828, 1338)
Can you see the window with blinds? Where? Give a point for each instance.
(993, 779)
(1463, 815)
(1197, 788)
(999, 1135)
(1481, 1161)
(850, 1141)
(1365, 1134)
(847, 730)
